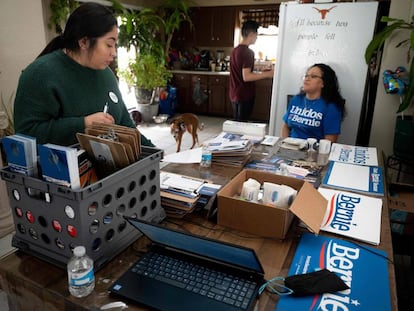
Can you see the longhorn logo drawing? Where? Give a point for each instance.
(324, 11)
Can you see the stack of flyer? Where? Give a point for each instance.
(363, 269)
(354, 168)
(60, 165)
(179, 194)
(231, 149)
(21, 154)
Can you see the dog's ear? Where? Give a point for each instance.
(182, 126)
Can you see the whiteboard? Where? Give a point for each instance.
(336, 34)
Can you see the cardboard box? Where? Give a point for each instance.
(266, 220)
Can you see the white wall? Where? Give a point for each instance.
(22, 37)
(386, 105)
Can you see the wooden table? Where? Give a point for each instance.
(34, 284)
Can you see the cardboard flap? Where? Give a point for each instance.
(310, 207)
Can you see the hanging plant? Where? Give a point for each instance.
(59, 13)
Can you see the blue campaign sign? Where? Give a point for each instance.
(364, 269)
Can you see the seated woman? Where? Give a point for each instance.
(318, 110)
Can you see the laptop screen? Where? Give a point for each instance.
(228, 253)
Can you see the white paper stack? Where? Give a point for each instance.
(246, 128)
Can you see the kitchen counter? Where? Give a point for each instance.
(202, 72)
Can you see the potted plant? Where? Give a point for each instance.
(404, 128)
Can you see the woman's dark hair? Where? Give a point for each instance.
(331, 92)
(90, 20)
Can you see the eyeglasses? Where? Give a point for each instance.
(311, 76)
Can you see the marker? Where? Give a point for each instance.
(105, 110)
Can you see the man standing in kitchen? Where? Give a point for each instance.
(242, 76)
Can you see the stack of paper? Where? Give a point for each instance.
(21, 154)
(230, 149)
(179, 194)
(245, 128)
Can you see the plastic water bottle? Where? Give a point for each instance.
(80, 273)
(206, 157)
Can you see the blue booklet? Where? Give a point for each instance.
(21, 153)
(353, 177)
(60, 165)
(364, 269)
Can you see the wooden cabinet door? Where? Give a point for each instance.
(261, 109)
(218, 91)
(182, 83)
(199, 94)
(214, 26)
(183, 37)
(203, 26)
(223, 23)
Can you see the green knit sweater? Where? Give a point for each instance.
(55, 93)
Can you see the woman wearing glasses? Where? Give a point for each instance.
(317, 111)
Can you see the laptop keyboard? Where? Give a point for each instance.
(197, 279)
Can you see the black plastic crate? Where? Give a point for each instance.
(50, 220)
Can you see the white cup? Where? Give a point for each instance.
(324, 146)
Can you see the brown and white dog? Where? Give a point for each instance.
(185, 122)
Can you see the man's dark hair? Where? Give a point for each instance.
(248, 27)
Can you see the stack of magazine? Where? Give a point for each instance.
(63, 165)
(230, 149)
(21, 154)
(179, 194)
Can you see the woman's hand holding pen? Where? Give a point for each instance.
(99, 117)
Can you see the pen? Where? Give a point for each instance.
(105, 110)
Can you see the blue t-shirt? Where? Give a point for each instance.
(312, 118)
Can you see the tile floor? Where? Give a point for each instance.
(161, 136)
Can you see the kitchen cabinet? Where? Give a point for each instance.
(182, 82)
(214, 26)
(200, 94)
(183, 37)
(218, 90)
(261, 109)
(204, 94)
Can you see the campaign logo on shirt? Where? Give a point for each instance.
(305, 116)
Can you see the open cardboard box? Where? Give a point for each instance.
(266, 220)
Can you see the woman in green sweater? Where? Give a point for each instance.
(70, 85)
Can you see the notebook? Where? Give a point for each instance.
(181, 271)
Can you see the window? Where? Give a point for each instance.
(265, 47)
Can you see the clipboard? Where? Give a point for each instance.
(108, 155)
(133, 133)
(127, 140)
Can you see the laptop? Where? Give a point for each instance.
(182, 271)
